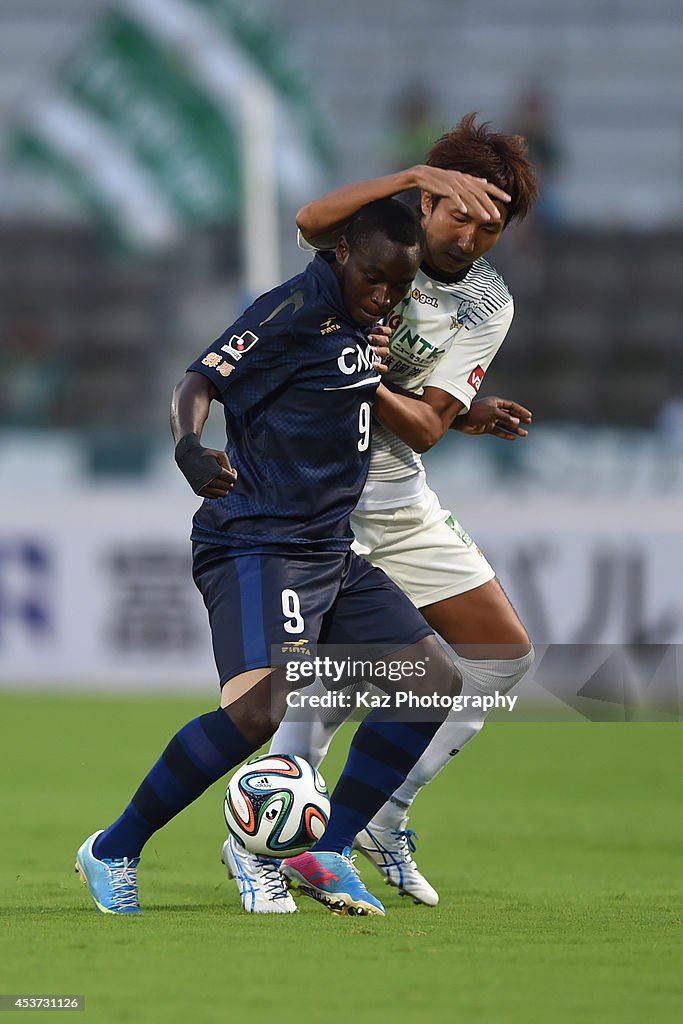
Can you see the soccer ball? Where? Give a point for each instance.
(276, 805)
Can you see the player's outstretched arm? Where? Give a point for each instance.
(322, 221)
(207, 471)
(500, 417)
(422, 420)
(419, 420)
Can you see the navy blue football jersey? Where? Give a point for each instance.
(297, 381)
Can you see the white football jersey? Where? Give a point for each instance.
(444, 336)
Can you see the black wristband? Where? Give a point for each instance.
(197, 466)
(186, 444)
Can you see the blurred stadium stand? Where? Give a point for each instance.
(599, 340)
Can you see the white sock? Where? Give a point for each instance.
(311, 738)
(479, 677)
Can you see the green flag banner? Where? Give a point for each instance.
(128, 80)
(263, 46)
(64, 141)
(145, 121)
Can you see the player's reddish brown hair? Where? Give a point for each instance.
(501, 159)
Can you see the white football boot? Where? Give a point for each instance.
(261, 886)
(391, 850)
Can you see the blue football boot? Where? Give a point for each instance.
(113, 884)
(332, 879)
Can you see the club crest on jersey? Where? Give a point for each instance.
(395, 320)
(475, 378)
(356, 359)
(329, 325)
(463, 315)
(240, 343)
(428, 300)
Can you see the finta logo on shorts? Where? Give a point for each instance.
(355, 360)
(329, 325)
(424, 300)
(240, 343)
(475, 378)
(296, 647)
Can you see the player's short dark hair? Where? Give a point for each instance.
(388, 217)
(501, 159)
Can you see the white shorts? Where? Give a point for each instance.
(423, 549)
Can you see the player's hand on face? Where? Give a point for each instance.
(471, 195)
(498, 416)
(207, 471)
(379, 340)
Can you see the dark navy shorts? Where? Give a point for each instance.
(258, 600)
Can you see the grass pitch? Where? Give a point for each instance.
(556, 849)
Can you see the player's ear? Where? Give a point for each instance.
(342, 251)
(426, 203)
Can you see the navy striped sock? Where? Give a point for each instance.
(381, 755)
(202, 752)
